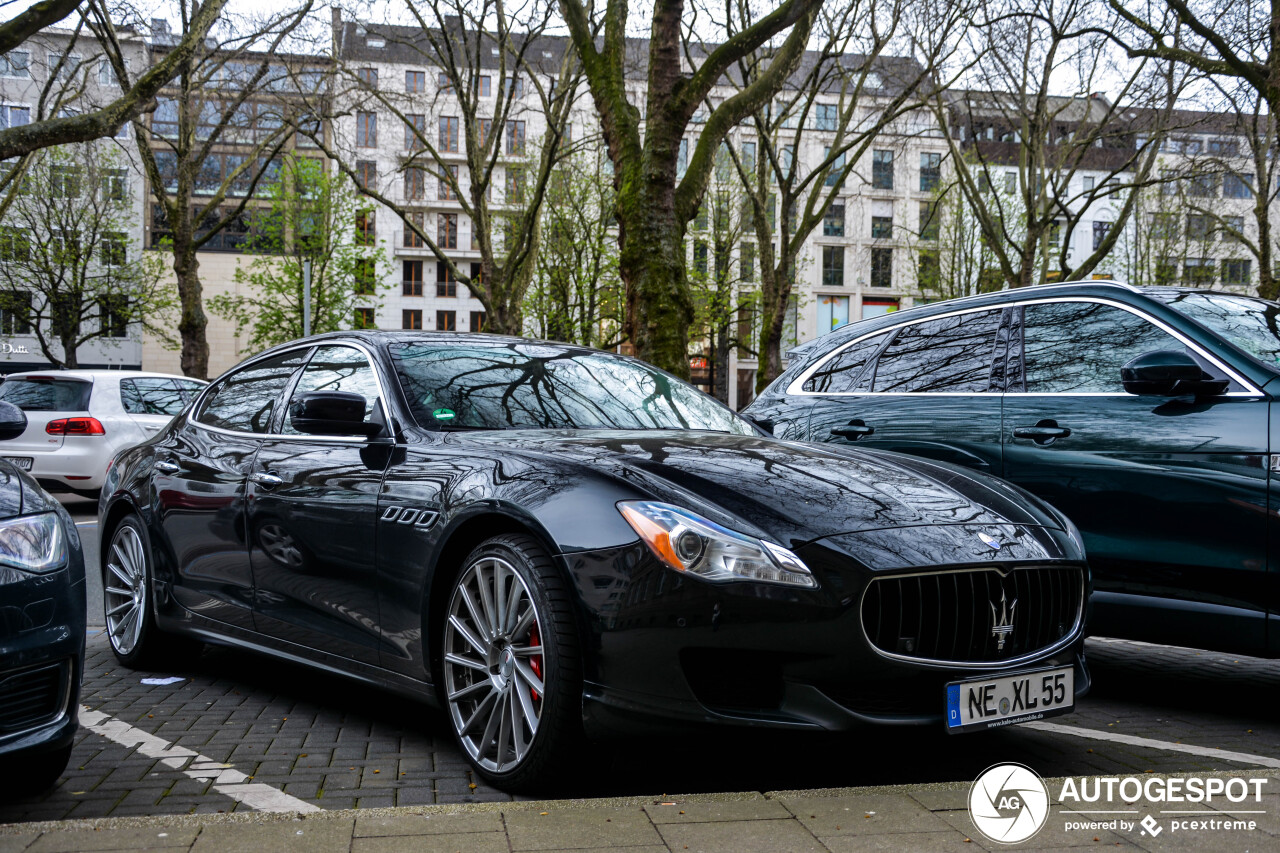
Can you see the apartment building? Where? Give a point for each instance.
(57, 72)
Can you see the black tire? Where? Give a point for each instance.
(537, 755)
(129, 604)
(32, 775)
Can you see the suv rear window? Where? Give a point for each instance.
(148, 396)
(35, 394)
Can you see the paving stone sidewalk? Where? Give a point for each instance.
(849, 820)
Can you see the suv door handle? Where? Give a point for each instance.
(1044, 433)
(854, 430)
(167, 467)
(265, 479)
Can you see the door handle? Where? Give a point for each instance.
(167, 467)
(265, 479)
(1044, 433)
(854, 430)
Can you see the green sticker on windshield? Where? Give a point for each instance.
(443, 414)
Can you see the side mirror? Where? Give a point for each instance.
(331, 413)
(1168, 373)
(763, 424)
(13, 421)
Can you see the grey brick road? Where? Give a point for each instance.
(337, 745)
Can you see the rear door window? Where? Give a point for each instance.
(840, 373)
(36, 394)
(951, 354)
(151, 396)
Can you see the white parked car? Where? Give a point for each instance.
(78, 420)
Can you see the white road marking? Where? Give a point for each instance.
(1149, 743)
(86, 523)
(225, 778)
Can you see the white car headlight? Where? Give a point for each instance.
(33, 543)
(690, 543)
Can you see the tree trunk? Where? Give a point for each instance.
(720, 364)
(651, 262)
(193, 323)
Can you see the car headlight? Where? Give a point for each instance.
(690, 543)
(34, 543)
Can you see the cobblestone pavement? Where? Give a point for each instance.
(337, 745)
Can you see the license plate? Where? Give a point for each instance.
(987, 703)
(23, 462)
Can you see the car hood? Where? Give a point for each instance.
(793, 492)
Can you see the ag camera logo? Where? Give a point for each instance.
(1009, 803)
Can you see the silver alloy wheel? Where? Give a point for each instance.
(493, 664)
(126, 589)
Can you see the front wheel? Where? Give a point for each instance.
(512, 665)
(127, 589)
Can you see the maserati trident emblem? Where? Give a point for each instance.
(990, 541)
(1002, 622)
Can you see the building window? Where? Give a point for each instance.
(364, 319)
(367, 173)
(881, 227)
(1237, 186)
(1202, 186)
(446, 284)
(415, 130)
(64, 181)
(1100, 231)
(1233, 229)
(928, 271)
(833, 312)
(449, 134)
(1198, 270)
(878, 307)
(930, 171)
(833, 266)
(415, 82)
(1166, 271)
(484, 86)
(1199, 227)
(825, 116)
(413, 239)
(415, 183)
(366, 130)
(411, 318)
(700, 257)
(15, 312)
(447, 230)
(515, 137)
(479, 321)
(837, 168)
(447, 321)
(515, 183)
(14, 116)
(367, 77)
(15, 63)
(513, 86)
(444, 190)
(366, 274)
(113, 316)
(114, 249)
(833, 221)
(882, 267)
(412, 280)
(1236, 272)
(366, 228)
(115, 184)
(882, 170)
(929, 225)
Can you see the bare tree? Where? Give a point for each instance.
(67, 266)
(482, 149)
(60, 128)
(212, 138)
(1035, 118)
(677, 77)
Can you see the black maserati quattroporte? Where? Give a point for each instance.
(557, 543)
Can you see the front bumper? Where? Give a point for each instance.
(666, 648)
(42, 636)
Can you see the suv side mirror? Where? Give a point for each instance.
(13, 421)
(1168, 373)
(331, 413)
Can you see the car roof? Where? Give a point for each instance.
(90, 375)
(378, 337)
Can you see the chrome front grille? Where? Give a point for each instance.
(973, 616)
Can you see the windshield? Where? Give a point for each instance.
(1251, 324)
(505, 386)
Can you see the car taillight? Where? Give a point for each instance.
(75, 426)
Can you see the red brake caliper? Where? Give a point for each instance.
(535, 661)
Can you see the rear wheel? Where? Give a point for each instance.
(512, 665)
(127, 591)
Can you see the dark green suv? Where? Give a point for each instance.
(1144, 414)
